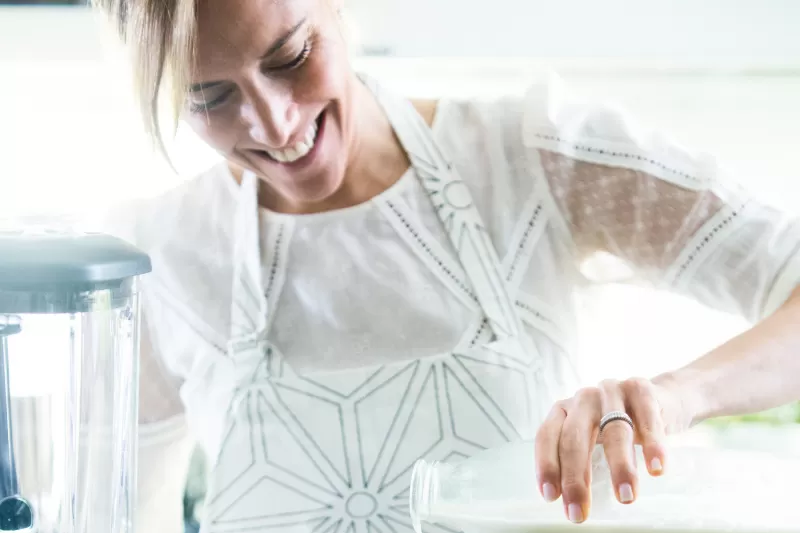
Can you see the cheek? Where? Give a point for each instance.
(326, 75)
(220, 137)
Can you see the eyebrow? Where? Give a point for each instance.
(275, 47)
(281, 42)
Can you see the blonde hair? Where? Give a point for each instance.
(159, 35)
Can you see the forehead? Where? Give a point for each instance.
(232, 31)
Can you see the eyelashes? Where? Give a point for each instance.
(206, 105)
(294, 64)
(299, 59)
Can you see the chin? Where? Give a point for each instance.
(315, 190)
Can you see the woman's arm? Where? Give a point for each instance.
(757, 370)
(680, 222)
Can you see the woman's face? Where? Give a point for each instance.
(271, 91)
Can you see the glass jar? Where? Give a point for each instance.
(702, 489)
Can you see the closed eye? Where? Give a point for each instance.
(298, 60)
(207, 105)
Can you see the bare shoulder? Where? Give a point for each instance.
(426, 109)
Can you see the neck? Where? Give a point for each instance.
(376, 160)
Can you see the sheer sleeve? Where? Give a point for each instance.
(673, 218)
(165, 445)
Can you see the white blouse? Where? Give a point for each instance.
(559, 182)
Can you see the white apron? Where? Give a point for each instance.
(332, 452)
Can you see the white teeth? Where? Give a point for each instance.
(293, 153)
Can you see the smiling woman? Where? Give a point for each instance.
(270, 95)
(364, 279)
(271, 91)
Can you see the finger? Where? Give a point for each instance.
(578, 435)
(646, 411)
(617, 438)
(548, 471)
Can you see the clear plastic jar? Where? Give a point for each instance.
(69, 345)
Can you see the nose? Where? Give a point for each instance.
(271, 116)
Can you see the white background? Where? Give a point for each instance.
(721, 75)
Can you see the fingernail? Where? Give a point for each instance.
(625, 493)
(575, 513)
(549, 492)
(655, 465)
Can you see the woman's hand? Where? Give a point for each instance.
(565, 441)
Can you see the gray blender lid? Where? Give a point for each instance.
(46, 258)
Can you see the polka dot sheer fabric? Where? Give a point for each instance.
(632, 215)
(676, 219)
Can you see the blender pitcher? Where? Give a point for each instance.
(69, 340)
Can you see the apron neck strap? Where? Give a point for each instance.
(456, 210)
(248, 302)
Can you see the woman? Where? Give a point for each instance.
(367, 281)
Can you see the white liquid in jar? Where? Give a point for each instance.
(708, 492)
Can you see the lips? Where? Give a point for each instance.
(302, 152)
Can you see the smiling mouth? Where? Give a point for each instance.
(301, 151)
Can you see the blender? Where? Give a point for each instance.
(69, 340)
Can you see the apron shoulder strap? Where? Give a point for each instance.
(456, 210)
(248, 303)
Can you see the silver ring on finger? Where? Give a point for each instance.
(613, 416)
